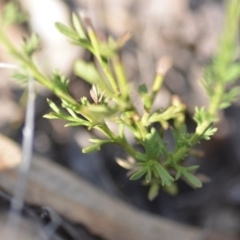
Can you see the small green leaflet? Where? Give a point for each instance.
(153, 145)
(143, 92)
(229, 97)
(78, 26)
(92, 148)
(138, 174)
(96, 146)
(31, 44)
(75, 124)
(153, 191)
(52, 115)
(192, 179)
(21, 77)
(67, 31)
(60, 80)
(208, 133)
(141, 157)
(200, 115)
(90, 74)
(189, 177)
(148, 175)
(233, 72)
(12, 14)
(53, 106)
(166, 178)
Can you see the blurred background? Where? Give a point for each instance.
(186, 30)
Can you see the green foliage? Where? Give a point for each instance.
(12, 14)
(153, 145)
(182, 139)
(21, 76)
(97, 143)
(208, 133)
(201, 114)
(31, 45)
(223, 71)
(166, 178)
(143, 92)
(189, 177)
(60, 80)
(153, 191)
(155, 164)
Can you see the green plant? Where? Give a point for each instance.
(111, 100)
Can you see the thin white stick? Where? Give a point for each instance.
(14, 216)
(8, 65)
(17, 202)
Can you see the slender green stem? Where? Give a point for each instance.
(156, 86)
(121, 77)
(147, 108)
(117, 140)
(212, 111)
(110, 77)
(145, 118)
(219, 91)
(95, 43)
(128, 148)
(163, 66)
(4, 39)
(141, 129)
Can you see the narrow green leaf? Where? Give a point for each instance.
(121, 128)
(53, 106)
(192, 179)
(67, 31)
(100, 141)
(230, 97)
(138, 174)
(78, 26)
(169, 113)
(149, 175)
(233, 72)
(89, 73)
(178, 175)
(75, 124)
(52, 115)
(171, 190)
(84, 43)
(192, 168)
(166, 178)
(101, 109)
(92, 148)
(106, 51)
(141, 157)
(153, 191)
(97, 143)
(224, 105)
(143, 92)
(31, 44)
